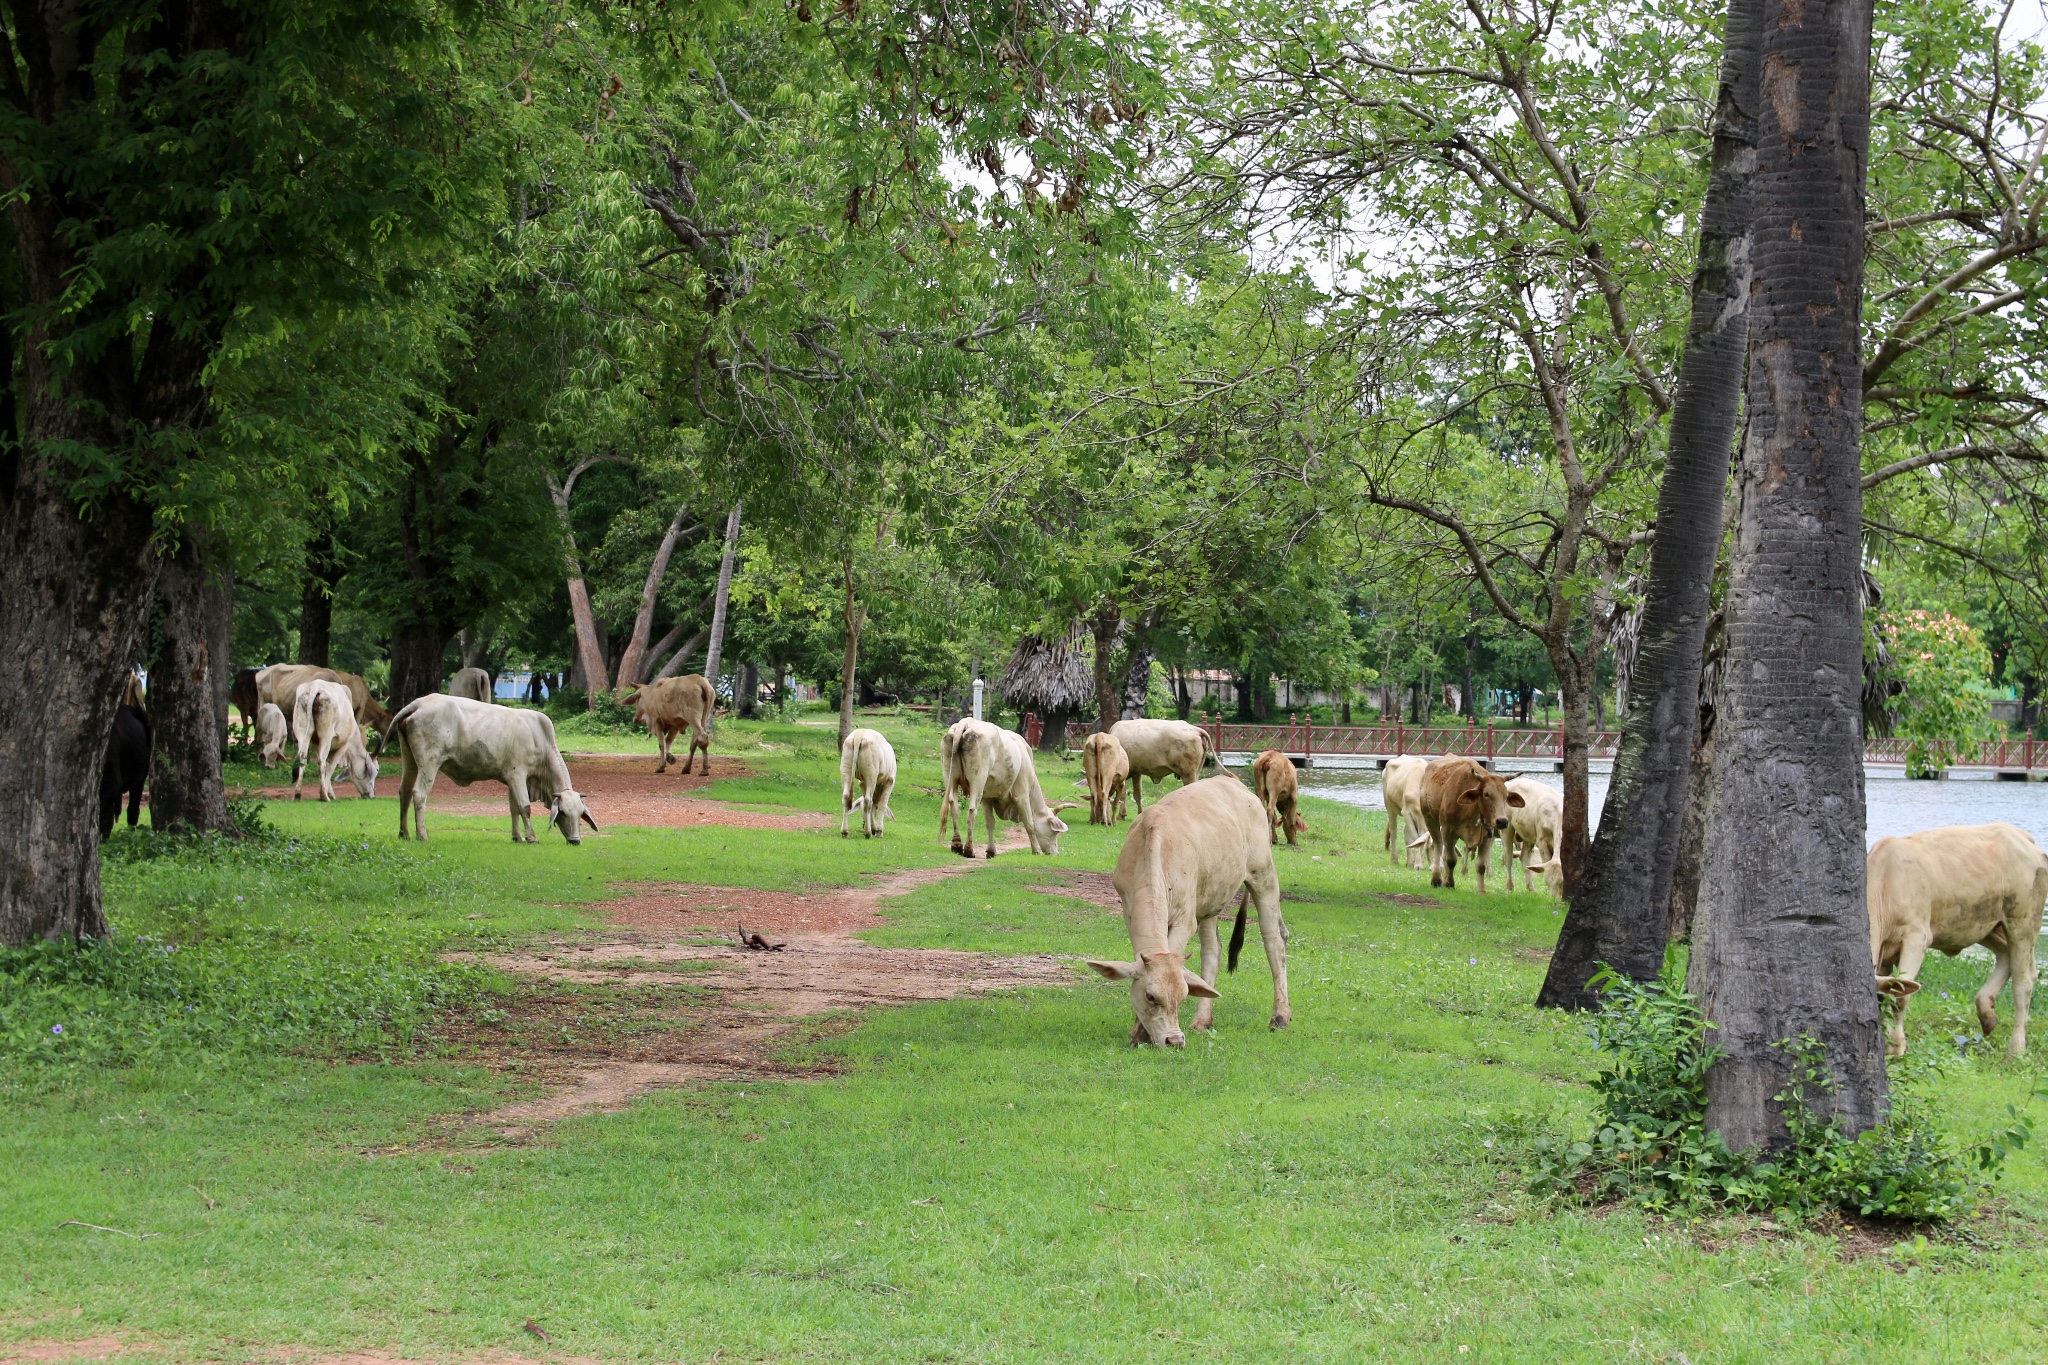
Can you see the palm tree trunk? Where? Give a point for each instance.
(1617, 915)
(855, 613)
(1781, 944)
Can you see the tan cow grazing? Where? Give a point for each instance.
(1401, 790)
(1108, 770)
(272, 731)
(324, 727)
(473, 683)
(1463, 802)
(1279, 788)
(1160, 749)
(867, 775)
(990, 768)
(669, 706)
(1952, 889)
(473, 742)
(1533, 829)
(279, 685)
(1182, 865)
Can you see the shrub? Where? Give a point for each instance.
(1944, 709)
(573, 715)
(1651, 1146)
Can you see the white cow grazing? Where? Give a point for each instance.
(1952, 889)
(324, 727)
(991, 768)
(1160, 749)
(272, 731)
(1182, 864)
(472, 741)
(1533, 829)
(1401, 790)
(867, 776)
(473, 683)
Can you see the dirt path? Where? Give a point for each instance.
(680, 1001)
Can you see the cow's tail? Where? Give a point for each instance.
(1237, 930)
(397, 726)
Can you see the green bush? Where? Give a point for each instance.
(1651, 1146)
(573, 715)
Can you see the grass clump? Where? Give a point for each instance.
(1651, 1146)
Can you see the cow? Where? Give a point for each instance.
(473, 683)
(472, 741)
(1182, 864)
(324, 728)
(279, 685)
(867, 776)
(242, 696)
(1533, 829)
(272, 731)
(991, 768)
(669, 706)
(1401, 793)
(1108, 770)
(125, 769)
(1461, 800)
(1160, 749)
(1951, 889)
(1279, 788)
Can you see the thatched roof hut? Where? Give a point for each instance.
(1054, 678)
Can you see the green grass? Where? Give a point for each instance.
(991, 1179)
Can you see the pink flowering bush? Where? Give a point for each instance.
(1944, 711)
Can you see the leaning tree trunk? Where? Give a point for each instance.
(1617, 914)
(718, 605)
(854, 614)
(1781, 945)
(188, 688)
(74, 598)
(633, 661)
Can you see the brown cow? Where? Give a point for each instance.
(1183, 863)
(243, 697)
(279, 685)
(1274, 778)
(1108, 769)
(669, 706)
(1950, 889)
(1461, 800)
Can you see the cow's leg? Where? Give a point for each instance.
(423, 783)
(1912, 952)
(1987, 998)
(405, 780)
(330, 752)
(1481, 852)
(1265, 889)
(1138, 793)
(989, 812)
(845, 808)
(522, 808)
(2022, 940)
(1212, 957)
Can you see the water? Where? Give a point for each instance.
(1893, 805)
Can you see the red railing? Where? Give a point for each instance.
(1297, 736)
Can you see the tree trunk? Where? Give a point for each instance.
(589, 646)
(634, 659)
(1618, 917)
(1781, 945)
(1183, 701)
(188, 688)
(1573, 717)
(718, 605)
(748, 699)
(416, 652)
(316, 601)
(684, 653)
(1692, 840)
(1109, 697)
(851, 620)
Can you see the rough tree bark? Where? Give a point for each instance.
(724, 595)
(855, 613)
(1109, 696)
(188, 688)
(635, 658)
(316, 600)
(1617, 916)
(1781, 943)
(747, 700)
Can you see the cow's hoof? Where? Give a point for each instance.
(991, 852)
(1280, 1021)
(965, 852)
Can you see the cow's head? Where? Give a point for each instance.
(563, 813)
(1552, 873)
(1159, 983)
(1046, 828)
(1485, 800)
(363, 771)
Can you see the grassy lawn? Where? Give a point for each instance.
(997, 1179)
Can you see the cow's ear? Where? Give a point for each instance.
(1897, 987)
(1115, 971)
(588, 821)
(1515, 800)
(1201, 989)
(1471, 794)
(1058, 825)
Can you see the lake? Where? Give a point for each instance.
(1894, 805)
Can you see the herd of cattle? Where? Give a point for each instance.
(1182, 865)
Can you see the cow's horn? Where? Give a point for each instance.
(1067, 805)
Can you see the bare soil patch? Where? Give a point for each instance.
(1403, 898)
(1097, 888)
(669, 997)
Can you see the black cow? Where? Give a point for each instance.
(126, 767)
